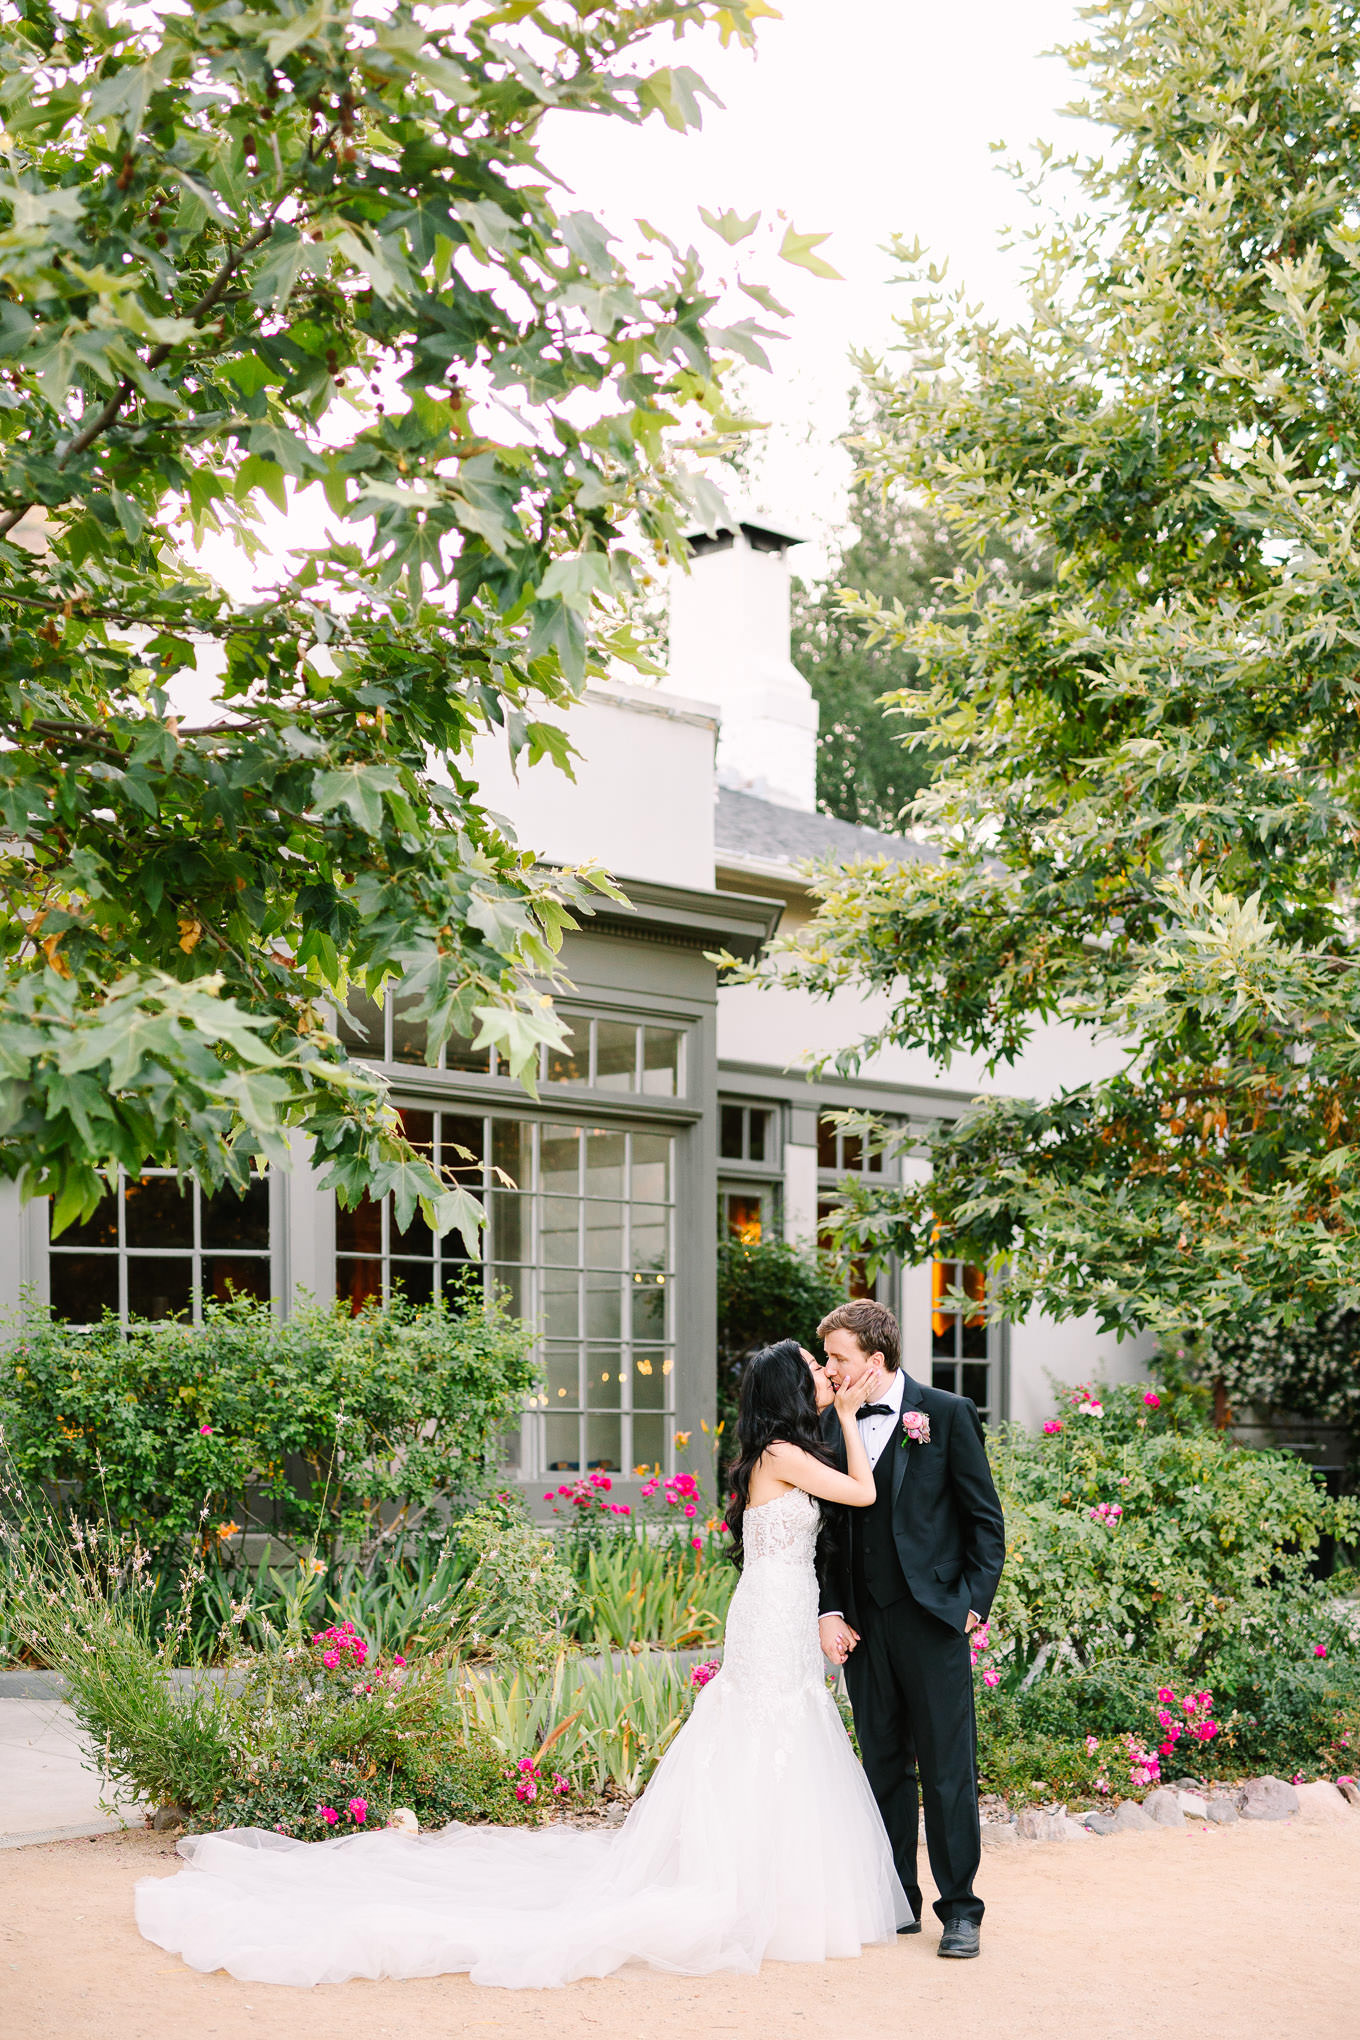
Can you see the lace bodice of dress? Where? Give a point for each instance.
(784, 1528)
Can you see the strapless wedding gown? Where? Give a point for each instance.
(757, 1839)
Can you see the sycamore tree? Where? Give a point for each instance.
(248, 251)
(1146, 772)
(898, 552)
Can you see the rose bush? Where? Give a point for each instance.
(348, 1432)
(1135, 1530)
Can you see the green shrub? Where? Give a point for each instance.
(637, 1590)
(517, 1593)
(308, 1722)
(345, 1432)
(1142, 1533)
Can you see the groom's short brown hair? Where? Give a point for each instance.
(873, 1324)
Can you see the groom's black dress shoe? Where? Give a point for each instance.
(912, 1927)
(961, 1939)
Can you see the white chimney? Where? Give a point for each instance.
(729, 644)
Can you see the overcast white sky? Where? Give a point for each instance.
(864, 118)
(860, 119)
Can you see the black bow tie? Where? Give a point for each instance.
(874, 1409)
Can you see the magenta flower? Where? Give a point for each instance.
(701, 1674)
(1166, 1696)
(358, 1811)
(330, 1659)
(205, 1430)
(1319, 1650)
(399, 1660)
(328, 1814)
(560, 1785)
(1092, 1745)
(697, 1542)
(991, 1678)
(1052, 1427)
(526, 1790)
(1154, 1402)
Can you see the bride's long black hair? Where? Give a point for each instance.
(777, 1401)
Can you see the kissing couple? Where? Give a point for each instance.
(868, 1532)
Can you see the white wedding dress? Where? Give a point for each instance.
(757, 1839)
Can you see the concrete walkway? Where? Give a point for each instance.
(49, 1790)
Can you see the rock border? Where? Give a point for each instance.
(1322, 1801)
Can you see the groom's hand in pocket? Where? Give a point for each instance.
(838, 1639)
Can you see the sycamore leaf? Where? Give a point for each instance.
(729, 224)
(798, 249)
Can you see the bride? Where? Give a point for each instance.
(757, 1838)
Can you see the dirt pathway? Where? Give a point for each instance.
(1242, 1933)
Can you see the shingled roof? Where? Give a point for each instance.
(758, 833)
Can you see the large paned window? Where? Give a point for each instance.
(607, 1053)
(841, 1154)
(750, 1173)
(374, 1256)
(959, 1359)
(155, 1248)
(580, 1233)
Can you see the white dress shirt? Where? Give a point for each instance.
(879, 1432)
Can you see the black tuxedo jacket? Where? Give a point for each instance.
(946, 1514)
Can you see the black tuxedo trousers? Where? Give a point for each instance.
(910, 1682)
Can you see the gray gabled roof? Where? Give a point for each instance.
(757, 832)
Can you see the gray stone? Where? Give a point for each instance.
(1032, 1824)
(167, 1817)
(1131, 1815)
(1192, 1804)
(1164, 1807)
(999, 1834)
(1221, 1809)
(1323, 1802)
(1071, 1830)
(1100, 1824)
(1349, 1791)
(1267, 1799)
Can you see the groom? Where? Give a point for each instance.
(911, 1575)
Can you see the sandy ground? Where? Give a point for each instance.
(1242, 1933)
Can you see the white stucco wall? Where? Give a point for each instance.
(787, 1028)
(641, 803)
(729, 643)
(1043, 1353)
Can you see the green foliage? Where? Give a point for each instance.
(1146, 802)
(768, 1290)
(638, 1590)
(301, 1721)
(517, 1593)
(1283, 1715)
(605, 1726)
(325, 1429)
(1312, 1367)
(867, 771)
(1210, 1551)
(245, 256)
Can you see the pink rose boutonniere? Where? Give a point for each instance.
(915, 1427)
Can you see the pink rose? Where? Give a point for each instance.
(1052, 1427)
(328, 1814)
(1154, 1402)
(1319, 1650)
(991, 1678)
(330, 1659)
(358, 1811)
(916, 1427)
(205, 1430)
